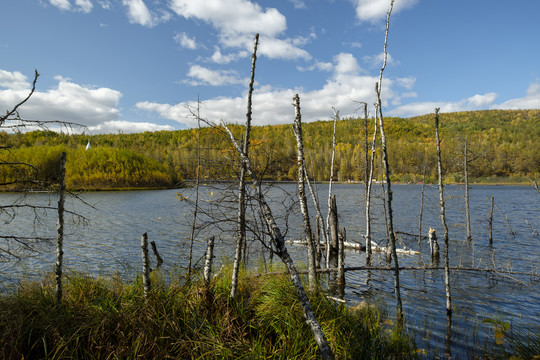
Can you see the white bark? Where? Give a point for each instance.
(60, 227)
(146, 265)
(336, 118)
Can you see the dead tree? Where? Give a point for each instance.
(467, 212)
(278, 241)
(197, 183)
(297, 128)
(319, 221)
(334, 234)
(208, 260)
(443, 219)
(336, 118)
(60, 227)
(490, 222)
(390, 227)
(368, 195)
(145, 265)
(241, 236)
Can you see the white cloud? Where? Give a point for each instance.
(138, 13)
(377, 61)
(84, 5)
(273, 106)
(375, 10)
(220, 58)
(237, 21)
(298, 4)
(185, 41)
(530, 101)
(205, 76)
(67, 101)
(318, 65)
(61, 4)
(13, 80)
(127, 127)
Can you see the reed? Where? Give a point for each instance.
(109, 318)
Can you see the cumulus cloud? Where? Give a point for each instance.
(127, 127)
(185, 41)
(204, 76)
(138, 13)
(80, 5)
(238, 20)
(530, 101)
(346, 85)
(67, 101)
(375, 10)
(219, 58)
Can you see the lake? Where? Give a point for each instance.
(108, 243)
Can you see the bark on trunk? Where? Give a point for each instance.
(387, 176)
(467, 211)
(336, 118)
(208, 260)
(60, 227)
(490, 227)
(159, 259)
(443, 219)
(368, 195)
(146, 265)
(334, 233)
(319, 220)
(312, 273)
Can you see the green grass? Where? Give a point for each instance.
(109, 319)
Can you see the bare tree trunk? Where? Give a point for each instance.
(241, 239)
(60, 227)
(421, 207)
(467, 212)
(342, 237)
(490, 227)
(368, 196)
(197, 182)
(146, 265)
(334, 233)
(336, 118)
(443, 219)
(366, 150)
(387, 176)
(312, 273)
(318, 219)
(281, 250)
(208, 260)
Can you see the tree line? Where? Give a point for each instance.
(503, 144)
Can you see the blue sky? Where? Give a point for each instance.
(135, 65)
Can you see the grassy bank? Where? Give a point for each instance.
(109, 319)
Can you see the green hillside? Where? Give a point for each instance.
(503, 146)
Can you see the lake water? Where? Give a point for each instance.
(110, 244)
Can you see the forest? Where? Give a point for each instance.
(503, 147)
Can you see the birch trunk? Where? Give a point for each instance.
(60, 227)
(443, 219)
(146, 265)
(387, 176)
(197, 181)
(467, 210)
(208, 260)
(318, 220)
(336, 118)
(241, 218)
(368, 196)
(312, 272)
(490, 227)
(281, 250)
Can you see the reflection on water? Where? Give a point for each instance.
(110, 244)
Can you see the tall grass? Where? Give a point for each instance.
(109, 319)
